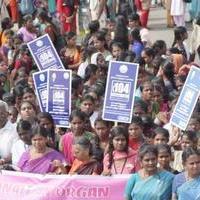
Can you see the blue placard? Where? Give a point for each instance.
(40, 83)
(44, 53)
(120, 90)
(59, 96)
(187, 99)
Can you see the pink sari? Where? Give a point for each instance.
(40, 165)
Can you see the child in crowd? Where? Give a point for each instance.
(165, 157)
(188, 139)
(160, 136)
(135, 131)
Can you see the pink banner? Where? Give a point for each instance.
(23, 186)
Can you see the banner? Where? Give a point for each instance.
(24, 186)
(187, 99)
(40, 83)
(120, 91)
(59, 96)
(44, 53)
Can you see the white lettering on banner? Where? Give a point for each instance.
(84, 192)
(23, 186)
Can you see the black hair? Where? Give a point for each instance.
(149, 51)
(161, 131)
(164, 147)
(144, 84)
(137, 120)
(134, 17)
(116, 44)
(147, 148)
(116, 131)
(69, 35)
(85, 143)
(8, 98)
(121, 32)
(189, 152)
(140, 61)
(94, 26)
(24, 125)
(191, 135)
(43, 14)
(27, 17)
(168, 71)
(76, 81)
(99, 119)
(135, 34)
(90, 70)
(5, 22)
(48, 116)
(18, 91)
(28, 90)
(88, 97)
(78, 113)
(100, 35)
(158, 45)
(140, 103)
(178, 34)
(30, 103)
(39, 130)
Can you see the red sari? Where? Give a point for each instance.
(66, 11)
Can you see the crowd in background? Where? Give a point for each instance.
(164, 160)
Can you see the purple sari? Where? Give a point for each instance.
(40, 165)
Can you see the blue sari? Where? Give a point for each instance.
(189, 190)
(156, 187)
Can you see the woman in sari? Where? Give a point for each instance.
(186, 185)
(84, 163)
(40, 158)
(67, 13)
(149, 182)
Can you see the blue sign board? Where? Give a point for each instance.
(40, 83)
(44, 53)
(59, 96)
(120, 91)
(187, 99)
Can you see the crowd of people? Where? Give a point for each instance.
(164, 161)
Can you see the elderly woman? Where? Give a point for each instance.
(150, 182)
(84, 163)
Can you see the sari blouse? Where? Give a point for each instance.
(129, 166)
(156, 187)
(40, 165)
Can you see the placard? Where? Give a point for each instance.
(59, 96)
(44, 53)
(187, 99)
(40, 83)
(120, 91)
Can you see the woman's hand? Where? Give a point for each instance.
(106, 173)
(59, 167)
(176, 135)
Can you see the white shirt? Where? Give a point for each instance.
(8, 135)
(18, 148)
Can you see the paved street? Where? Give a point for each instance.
(158, 28)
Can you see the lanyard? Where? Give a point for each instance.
(122, 167)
